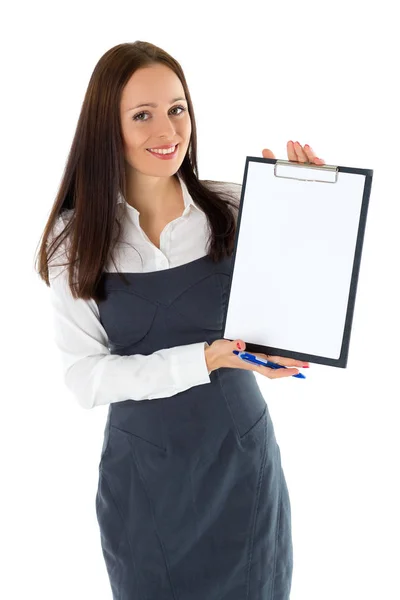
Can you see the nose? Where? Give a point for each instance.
(163, 128)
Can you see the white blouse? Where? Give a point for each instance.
(94, 375)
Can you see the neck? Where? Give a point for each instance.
(154, 197)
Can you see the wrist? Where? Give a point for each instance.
(209, 358)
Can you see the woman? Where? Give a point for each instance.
(192, 501)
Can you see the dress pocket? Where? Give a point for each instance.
(245, 402)
(143, 422)
(256, 429)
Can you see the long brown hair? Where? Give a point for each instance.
(95, 174)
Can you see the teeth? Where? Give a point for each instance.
(164, 151)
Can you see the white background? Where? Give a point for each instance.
(259, 74)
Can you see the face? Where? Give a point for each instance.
(153, 126)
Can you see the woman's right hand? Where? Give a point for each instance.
(220, 354)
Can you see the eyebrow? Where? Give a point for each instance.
(155, 105)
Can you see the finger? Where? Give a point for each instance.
(301, 155)
(290, 150)
(280, 373)
(309, 152)
(286, 362)
(311, 155)
(266, 153)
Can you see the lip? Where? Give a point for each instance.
(165, 156)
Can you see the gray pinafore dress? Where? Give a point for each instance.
(192, 502)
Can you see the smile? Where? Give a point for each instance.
(166, 153)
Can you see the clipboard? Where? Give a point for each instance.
(296, 260)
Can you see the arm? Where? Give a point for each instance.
(97, 377)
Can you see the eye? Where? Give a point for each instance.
(136, 117)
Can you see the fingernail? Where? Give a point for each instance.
(306, 366)
(238, 345)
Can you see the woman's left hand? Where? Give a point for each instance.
(296, 153)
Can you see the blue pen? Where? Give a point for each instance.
(265, 363)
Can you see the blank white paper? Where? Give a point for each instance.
(294, 260)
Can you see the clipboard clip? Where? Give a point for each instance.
(306, 171)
